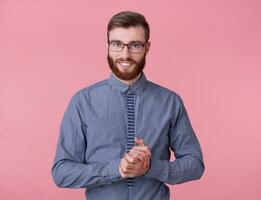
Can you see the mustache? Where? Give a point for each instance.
(124, 60)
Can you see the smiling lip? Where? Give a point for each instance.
(125, 63)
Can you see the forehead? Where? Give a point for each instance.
(134, 33)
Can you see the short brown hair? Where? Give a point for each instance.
(127, 19)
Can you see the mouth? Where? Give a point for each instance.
(125, 64)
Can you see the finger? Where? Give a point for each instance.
(139, 142)
(146, 164)
(144, 149)
(129, 175)
(141, 156)
(124, 164)
(127, 165)
(139, 170)
(138, 158)
(121, 172)
(133, 172)
(139, 152)
(131, 159)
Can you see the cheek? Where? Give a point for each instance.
(138, 58)
(114, 56)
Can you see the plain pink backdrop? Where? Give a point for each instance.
(207, 51)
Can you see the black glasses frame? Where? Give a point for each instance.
(128, 45)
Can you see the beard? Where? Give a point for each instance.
(139, 66)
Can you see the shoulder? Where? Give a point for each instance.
(162, 91)
(91, 90)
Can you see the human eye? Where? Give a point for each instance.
(136, 45)
(116, 43)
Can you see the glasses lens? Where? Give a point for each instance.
(115, 45)
(135, 47)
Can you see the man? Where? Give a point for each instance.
(116, 135)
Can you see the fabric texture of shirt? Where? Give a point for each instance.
(92, 141)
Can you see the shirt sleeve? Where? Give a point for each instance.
(188, 164)
(70, 169)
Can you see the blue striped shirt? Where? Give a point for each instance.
(92, 141)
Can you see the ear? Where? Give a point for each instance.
(147, 47)
(107, 46)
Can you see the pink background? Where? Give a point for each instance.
(207, 51)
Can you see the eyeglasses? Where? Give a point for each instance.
(133, 47)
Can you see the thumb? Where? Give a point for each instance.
(139, 142)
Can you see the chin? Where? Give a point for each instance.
(125, 69)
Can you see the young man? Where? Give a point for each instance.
(116, 135)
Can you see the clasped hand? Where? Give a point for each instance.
(136, 162)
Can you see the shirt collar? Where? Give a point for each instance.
(136, 87)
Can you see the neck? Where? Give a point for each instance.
(129, 82)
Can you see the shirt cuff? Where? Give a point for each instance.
(158, 169)
(113, 170)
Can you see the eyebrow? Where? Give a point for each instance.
(115, 41)
(133, 41)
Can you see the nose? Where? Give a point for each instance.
(125, 52)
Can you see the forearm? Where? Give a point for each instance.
(181, 170)
(71, 174)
